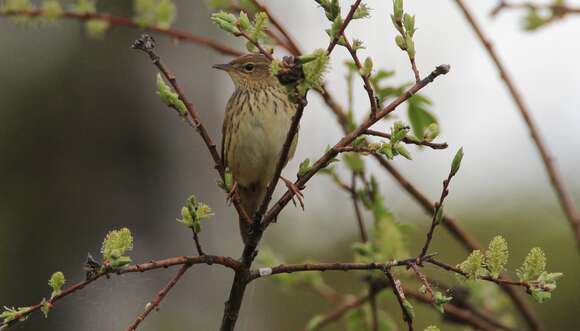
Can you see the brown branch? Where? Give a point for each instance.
(197, 243)
(349, 138)
(407, 140)
(147, 44)
(365, 78)
(400, 295)
(157, 301)
(563, 195)
(469, 242)
(291, 45)
(357, 212)
(128, 22)
(345, 23)
(143, 267)
(436, 211)
(558, 10)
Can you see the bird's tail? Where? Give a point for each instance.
(251, 197)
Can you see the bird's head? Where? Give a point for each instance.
(250, 70)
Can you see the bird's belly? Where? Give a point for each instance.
(257, 148)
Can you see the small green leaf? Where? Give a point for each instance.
(419, 117)
(17, 5)
(314, 70)
(84, 7)
(496, 256)
(409, 309)
(354, 162)
(387, 150)
(96, 28)
(398, 9)
(56, 282)
(314, 322)
(244, 21)
(45, 308)
(432, 328)
(534, 265)
(402, 150)
(363, 11)
(116, 244)
(367, 67)
(440, 300)
(409, 24)
(169, 97)
(473, 266)
(304, 168)
(226, 21)
(456, 163)
(400, 41)
(52, 9)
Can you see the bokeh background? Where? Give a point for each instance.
(86, 147)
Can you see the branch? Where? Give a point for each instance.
(365, 77)
(559, 10)
(563, 196)
(162, 293)
(461, 235)
(345, 23)
(400, 295)
(146, 44)
(438, 212)
(128, 22)
(349, 138)
(291, 45)
(143, 267)
(407, 140)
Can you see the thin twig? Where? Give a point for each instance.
(563, 195)
(365, 77)
(437, 212)
(291, 45)
(400, 295)
(225, 261)
(468, 241)
(559, 10)
(197, 243)
(345, 23)
(160, 295)
(357, 212)
(407, 140)
(128, 22)
(349, 138)
(147, 44)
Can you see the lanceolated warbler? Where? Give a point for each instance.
(257, 121)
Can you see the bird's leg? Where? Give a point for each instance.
(296, 190)
(232, 193)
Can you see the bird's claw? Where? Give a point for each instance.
(296, 192)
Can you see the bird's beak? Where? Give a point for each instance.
(224, 67)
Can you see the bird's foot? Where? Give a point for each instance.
(296, 192)
(232, 193)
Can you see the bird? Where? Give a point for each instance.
(257, 120)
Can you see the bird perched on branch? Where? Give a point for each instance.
(257, 120)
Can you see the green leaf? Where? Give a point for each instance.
(244, 21)
(496, 256)
(169, 97)
(398, 9)
(534, 265)
(11, 314)
(226, 21)
(84, 7)
(96, 28)
(409, 24)
(440, 300)
(331, 8)
(165, 13)
(456, 163)
(432, 328)
(193, 212)
(363, 11)
(419, 117)
(314, 322)
(45, 308)
(17, 5)
(304, 168)
(402, 150)
(367, 67)
(409, 309)
(354, 162)
(56, 282)
(314, 70)
(473, 266)
(116, 244)
(52, 9)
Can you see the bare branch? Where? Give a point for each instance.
(157, 301)
(563, 195)
(408, 140)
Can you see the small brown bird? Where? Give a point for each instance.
(257, 121)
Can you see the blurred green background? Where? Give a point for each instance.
(86, 147)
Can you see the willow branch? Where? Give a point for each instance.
(128, 22)
(407, 140)
(147, 44)
(563, 195)
(225, 261)
(349, 138)
(400, 295)
(558, 10)
(160, 296)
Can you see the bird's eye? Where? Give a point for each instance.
(249, 67)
